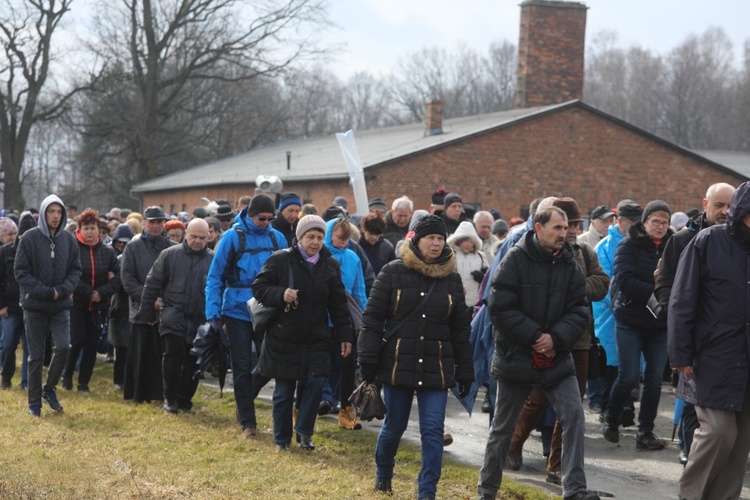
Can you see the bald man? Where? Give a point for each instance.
(178, 280)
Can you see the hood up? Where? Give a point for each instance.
(49, 200)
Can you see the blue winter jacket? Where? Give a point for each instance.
(227, 290)
(351, 267)
(604, 320)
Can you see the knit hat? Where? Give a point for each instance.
(123, 232)
(570, 207)
(630, 210)
(495, 214)
(154, 213)
(500, 227)
(679, 219)
(260, 204)
(200, 213)
(429, 224)
(438, 196)
(450, 199)
(174, 224)
(289, 199)
(655, 206)
(340, 201)
(601, 212)
(309, 222)
(225, 212)
(377, 203)
(417, 216)
(334, 212)
(7, 226)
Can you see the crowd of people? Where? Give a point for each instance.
(417, 301)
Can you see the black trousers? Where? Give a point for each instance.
(85, 330)
(179, 368)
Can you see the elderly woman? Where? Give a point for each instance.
(298, 342)
(175, 230)
(419, 299)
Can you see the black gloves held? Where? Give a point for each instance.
(368, 372)
(464, 386)
(478, 275)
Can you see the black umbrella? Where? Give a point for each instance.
(212, 348)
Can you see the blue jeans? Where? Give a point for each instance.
(13, 332)
(631, 343)
(431, 404)
(283, 402)
(241, 339)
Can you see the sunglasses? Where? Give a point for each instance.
(266, 219)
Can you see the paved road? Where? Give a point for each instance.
(620, 471)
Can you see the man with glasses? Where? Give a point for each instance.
(239, 256)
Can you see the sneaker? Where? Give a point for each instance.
(35, 411)
(324, 408)
(486, 404)
(611, 433)
(250, 432)
(628, 417)
(583, 495)
(554, 477)
(50, 397)
(514, 459)
(306, 442)
(595, 407)
(170, 406)
(282, 447)
(67, 383)
(647, 441)
(447, 439)
(383, 486)
(683, 458)
(5, 384)
(83, 388)
(347, 420)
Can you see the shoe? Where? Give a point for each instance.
(628, 417)
(49, 397)
(602, 417)
(583, 495)
(486, 404)
(486, 496)
(554, 477)
(67, 383)
(170, 406)
(282, 447)
(595, 407)
(35, 411)
(306, 442)
(324, 408)
(514, 459)
(335, 409)
(5, 384)
(647, 441)
(383, 486)
(347, 420)
(83, 388)
(536, 433)
(118, 388)
(635, 394)
(447, 439)
(611, 433)
(683, 458)
(250, 432)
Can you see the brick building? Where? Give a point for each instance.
(562, 146)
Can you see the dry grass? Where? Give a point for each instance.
(103, 447)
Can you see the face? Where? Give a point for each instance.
(572, 234)
(175, 235)
(197, 237)
(120, 245)
(623, 225)
(53, 215)
(484, 227)
(312, 241)
(401, 217)
(380, 212)
(454, 210)
(657, 225)
(338, 239)
(466, 245)
(552, 235)
(717, 206)
(212, 234)
(225, 224)
(371, 237)
(89, 233)
(8, 237)
(154, 227)
(290, 213)
(262, 220)
(431, 246)
(602, 225)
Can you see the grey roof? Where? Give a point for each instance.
(739, 161)
(321, 158)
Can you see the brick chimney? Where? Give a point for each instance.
(550, 52)
(433, 117)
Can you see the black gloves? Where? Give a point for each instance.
(464, 386)
(478, 275)
(368, 372)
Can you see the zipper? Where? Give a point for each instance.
(440, 363)
(395, 363)
(398, 298)
(450, 306)
(93, 274)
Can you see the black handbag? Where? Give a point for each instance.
(262, 315)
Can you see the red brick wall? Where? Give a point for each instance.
(550, 52)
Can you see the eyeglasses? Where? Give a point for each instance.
(266, 219)
(659, 223)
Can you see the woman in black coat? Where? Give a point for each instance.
(419, 297)
(298, 342)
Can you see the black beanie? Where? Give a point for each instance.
(438, 196)
(450, 199)
(260, 204)
(429, 224)
(655, 206)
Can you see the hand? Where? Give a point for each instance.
(544, 345)
(158, 304)
(346, 349)
(686, 370)
(368, 372)
(477, 275)
(110, 275)
(95, 297)
(290, 295)
(57, 295)
(4, 312)
(464, 387)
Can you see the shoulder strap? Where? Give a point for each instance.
(396, 328)
(586, 259)
(291, 271)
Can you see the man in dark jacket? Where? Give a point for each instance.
(538, 309)
(288, 215)
(179, 278)
(398, 219)
(453, 212)
(47, 269)
(708, 344)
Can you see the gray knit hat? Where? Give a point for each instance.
(655, 206)
(309, 222)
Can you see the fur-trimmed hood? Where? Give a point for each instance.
(442, 267)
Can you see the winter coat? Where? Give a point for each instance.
(432, 350)
(591, 237)
(535, 292)
(282, 225)
(298, 341)
(597, 285)
(139, 255)
(452, 224)
(351, 267)
(46, 264)
(379, 254)
(708, 327)
(179, 277)
(11, 293)
(604, 320)
(228, 285)
(97, 261)
(393, 233)
(490, 245)
(636, 259)
(118, 332)
(466, 263)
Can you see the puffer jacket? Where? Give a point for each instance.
(604, 320)
(393, 233)
(227, 286)
(179, 277)
(708, 327)
(46, 264)
(282, 225)
(432, 350)
(11, 294)
(379, 254)
(139, 255)
(535, 292)
(97, 261)
(636, 259)
(298, 341)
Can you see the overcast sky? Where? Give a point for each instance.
(377, 33)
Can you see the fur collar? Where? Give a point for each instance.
(441, 268)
